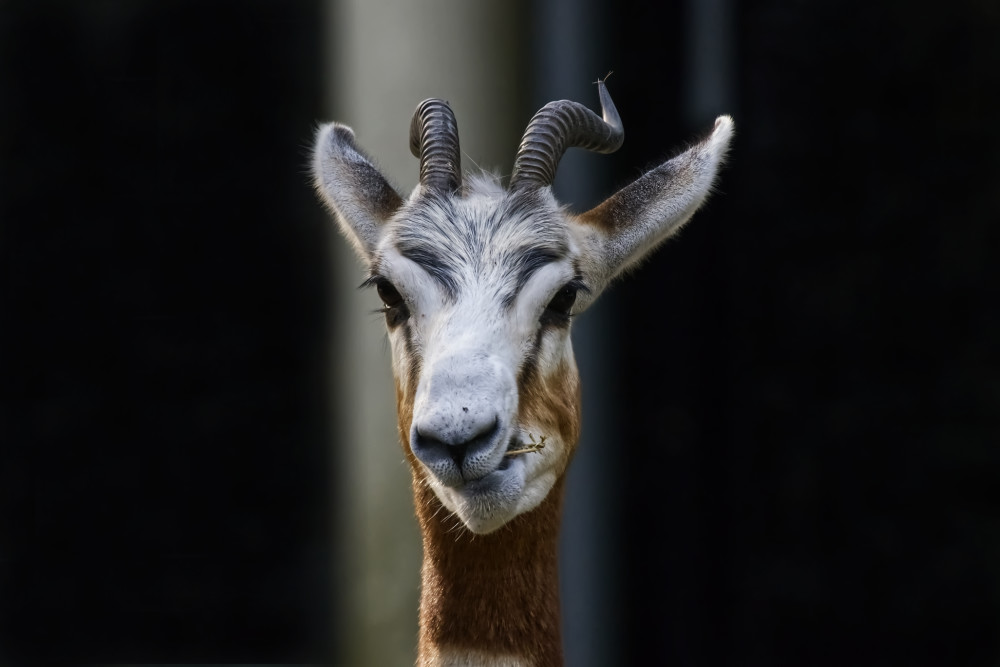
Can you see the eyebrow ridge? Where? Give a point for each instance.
(528, 263)
(437, 266)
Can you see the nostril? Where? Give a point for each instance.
(428, 447)
(455, 443)
(434, 452)
(479, 441)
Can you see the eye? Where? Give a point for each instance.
(395, 309)
(563, 301)
(390, 295)
(557, 313)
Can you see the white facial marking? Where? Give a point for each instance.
(471, 333)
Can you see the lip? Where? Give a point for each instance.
(510, 472)
(510, 464)
(496, 481)
(491, 478)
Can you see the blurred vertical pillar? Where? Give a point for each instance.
(569, 58)
(383, 58)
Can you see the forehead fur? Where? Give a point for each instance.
(484, 234)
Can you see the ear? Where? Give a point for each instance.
(356, 193)
(627, 226)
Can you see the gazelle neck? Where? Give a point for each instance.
(493, 599)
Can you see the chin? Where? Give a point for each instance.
(484, 505)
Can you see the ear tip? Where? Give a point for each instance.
(724, 125)
(334, 142)
(334, 132)
(722, 133)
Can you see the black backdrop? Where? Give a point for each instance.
(823, 441)
(811, 371)
(166, 457)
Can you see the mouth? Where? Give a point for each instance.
(486, 503)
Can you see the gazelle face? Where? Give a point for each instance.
(478, 294)
(479, 285)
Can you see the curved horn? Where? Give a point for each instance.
(434, 139)
(561, 125)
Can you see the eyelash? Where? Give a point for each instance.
(398, 312)
(551, 317)
(393, 304)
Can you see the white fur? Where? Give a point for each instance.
(454, 657)
(471, 348)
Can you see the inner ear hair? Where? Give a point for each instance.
(640, 216)
(350, 185)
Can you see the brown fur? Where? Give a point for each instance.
(498, 593)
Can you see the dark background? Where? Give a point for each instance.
(811, 370)
(825, 349)
(166, 459)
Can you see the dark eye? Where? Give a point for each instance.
(558, 310)
(395, 308)
(563, 301)
(390, 295)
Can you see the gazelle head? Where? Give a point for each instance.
(480, 284)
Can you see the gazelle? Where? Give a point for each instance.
(480, 284)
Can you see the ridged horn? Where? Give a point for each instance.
(434, 139)
(561, 125)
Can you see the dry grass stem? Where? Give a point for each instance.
(533, 447)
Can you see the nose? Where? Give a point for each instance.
(461, 413)
(456, 447)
